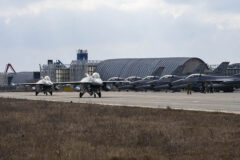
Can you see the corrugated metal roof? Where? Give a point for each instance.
(141, 67)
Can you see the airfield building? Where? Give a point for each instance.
(233, 69)
(143, 67)
(2, 79)
(59, 72)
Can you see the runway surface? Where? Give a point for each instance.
(220, 102)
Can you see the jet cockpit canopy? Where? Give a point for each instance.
(133, 78)
(150, 77)
(95, 75)
(115, 79)
(47, 78)
(194, 75)
(167, 76)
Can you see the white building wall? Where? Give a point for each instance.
(78, 70)
(2, 79)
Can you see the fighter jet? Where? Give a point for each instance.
(118, 82)
(198, 82)
(156, 83)
(129, 86)
(138, 84)
(93, 85)
(44, 85)
(163, 83)
(182, 83)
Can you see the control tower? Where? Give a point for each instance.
(82, 55)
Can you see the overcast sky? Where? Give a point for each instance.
(33, 31)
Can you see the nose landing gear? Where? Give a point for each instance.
(81, 94)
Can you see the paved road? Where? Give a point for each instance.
(222, 102)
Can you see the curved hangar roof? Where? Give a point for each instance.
(143, 67)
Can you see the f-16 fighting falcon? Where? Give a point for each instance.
(163, 83)
(224, 83)
(91, 85)
(218, 72)
(141, 84)
(129, 86)
(44, 85)
(136, 83)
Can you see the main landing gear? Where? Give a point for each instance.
(95, 94)
(51, 93)
(99, 95)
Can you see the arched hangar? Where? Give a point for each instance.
(143, 67)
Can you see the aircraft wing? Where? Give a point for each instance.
(113, 82)
(234, 82)
(27, 84)
(218, 79)
(225, 81)
(71, 83)
(89, 83)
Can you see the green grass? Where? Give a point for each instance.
(40, 130)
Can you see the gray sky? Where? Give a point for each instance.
(32, 31)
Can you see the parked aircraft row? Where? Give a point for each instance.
(172, 82)
(93, 85)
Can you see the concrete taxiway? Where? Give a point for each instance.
(219, 102)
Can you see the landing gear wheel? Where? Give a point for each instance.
(50, 93)
(80, 95)
(36, 93)
(99, 94)
(95, 95)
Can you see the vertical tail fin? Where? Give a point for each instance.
(220, 70)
